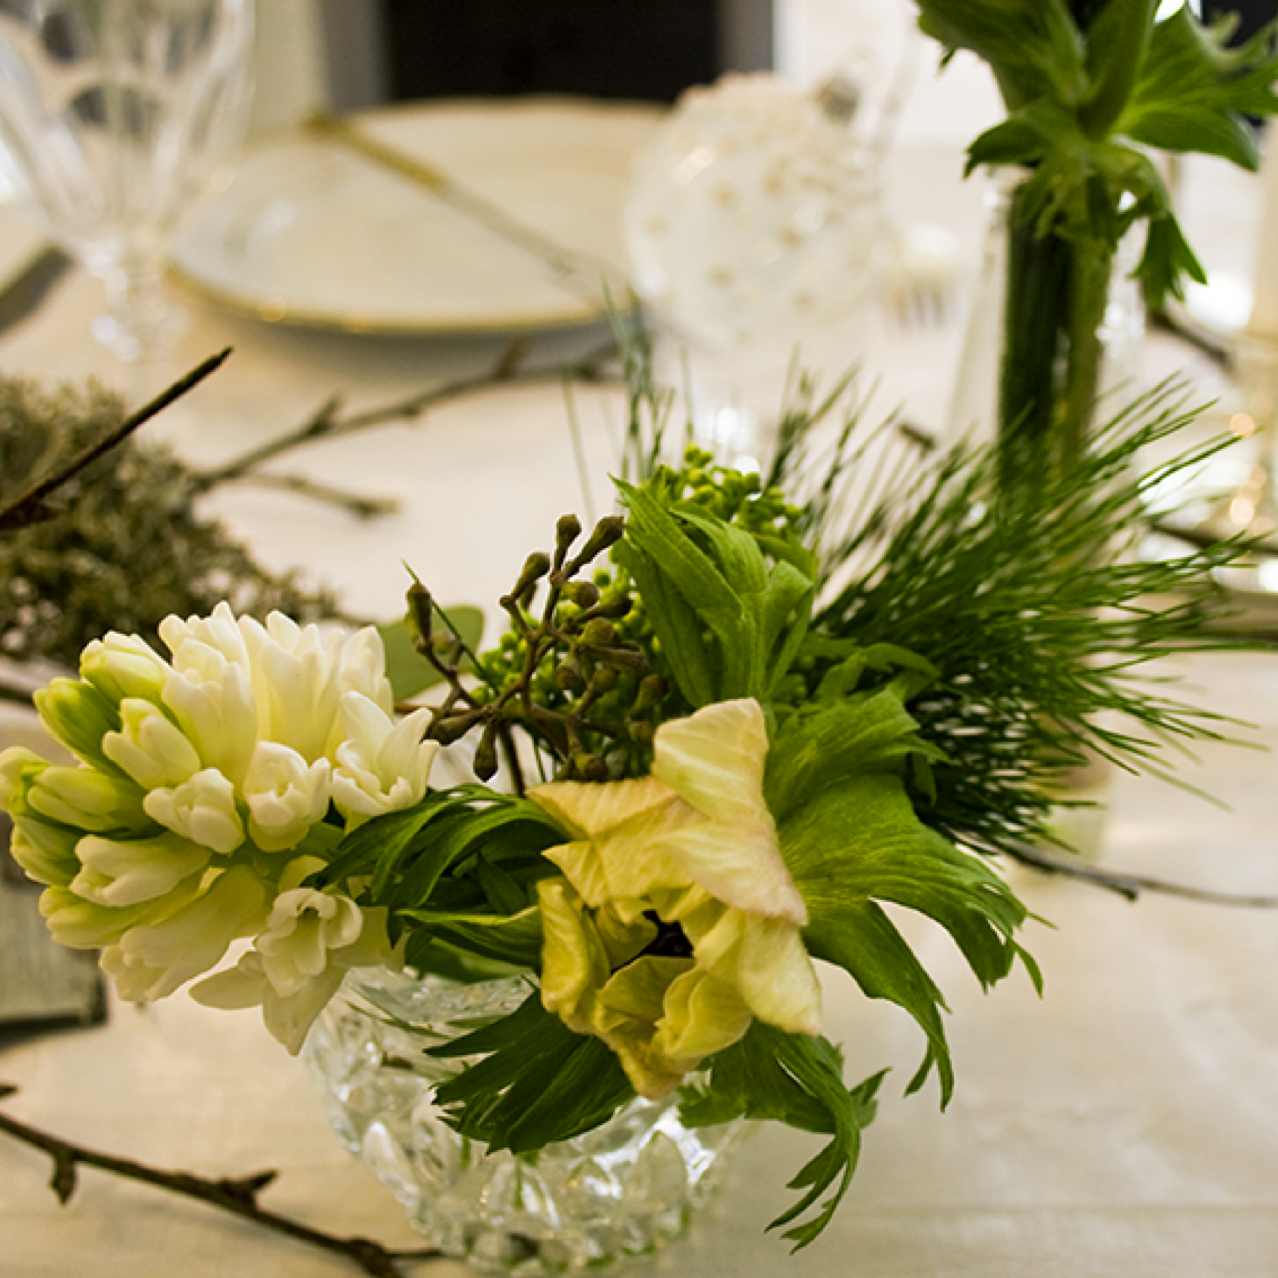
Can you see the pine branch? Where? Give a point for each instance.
(237, 1195)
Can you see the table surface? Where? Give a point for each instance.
(1127, 1124)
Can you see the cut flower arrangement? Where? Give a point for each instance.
(727, 731)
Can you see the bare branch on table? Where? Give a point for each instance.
(1215, 348)
(30, 507)
(237, 1195)
(327, 421)
(1131, 886)
(357, 504)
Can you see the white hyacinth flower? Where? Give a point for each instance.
(301, 676)
(118, 872)
(382, 765)
(305, 924)
(122, 666)
(310, 941)
(150, 747)
(285, 795)
(191, 769)
(201, 809)
(151, 962)
(212, 698)
(287, 1019)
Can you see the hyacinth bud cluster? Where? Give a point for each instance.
(208, 787)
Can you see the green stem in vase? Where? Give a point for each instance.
(1091, 267)
(1038, 268)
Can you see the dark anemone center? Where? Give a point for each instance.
(670, 941)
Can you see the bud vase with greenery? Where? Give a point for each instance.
(1091, 86)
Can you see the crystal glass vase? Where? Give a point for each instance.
(618, 1191)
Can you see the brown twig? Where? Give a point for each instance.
(30, 507)
(1131, 886)
(237, 1195)
(1191, 334)
(357, 504)
(328, 423)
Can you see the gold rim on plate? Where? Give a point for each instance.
(573, 313)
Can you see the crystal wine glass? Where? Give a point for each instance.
(116, 113)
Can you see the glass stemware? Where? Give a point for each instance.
(116, 113)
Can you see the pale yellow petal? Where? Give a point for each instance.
(741, 866)
(703, 1015)
(583, 868)
(588, 808)
(636, 993)
(647, 1071)
(636, 856)
(623, 936)
(776, 977)
(574, 964)
(716, 945)
(714, 760)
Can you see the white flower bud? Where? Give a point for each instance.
(46, 852)
(78, 716)
(362, 668)
(122, 666)
(383, 765)
(149, 747)
(88, 799)
(305, 924)
(119, 873)
(213, 701)
(219, 631)
(19, 770)
(285, 796)
(151, 962)
(85, 925)
(201, 809)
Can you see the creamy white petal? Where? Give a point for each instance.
(201, 809)
(286, 796)
(304, 925)
(156, 960)
(150, 747)
(126, 872)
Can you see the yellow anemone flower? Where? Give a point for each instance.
(676, 921)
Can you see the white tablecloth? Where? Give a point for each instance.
(1127, 1125)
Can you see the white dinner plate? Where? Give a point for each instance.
(312, 233)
